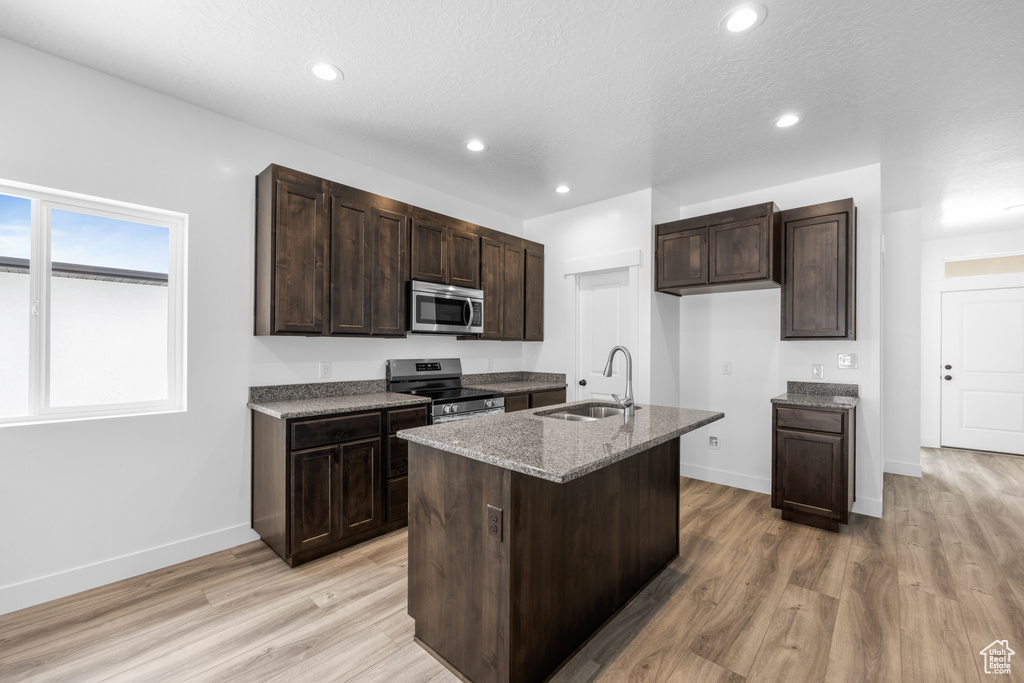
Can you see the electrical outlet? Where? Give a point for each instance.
(727, 367)
(818, 371)
(325, 369)
(713, 443)
(494, 516)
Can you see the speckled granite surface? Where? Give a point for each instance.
(557, 450)
(514, 382)
(287, 392)
(326, 405)
(819, 395)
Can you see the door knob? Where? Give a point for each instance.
(949, 367)
(583, 382)
(948, 377)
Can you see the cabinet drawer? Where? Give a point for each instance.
(398, 456)
(514, 402)
(547, 398)
(809, 420)
(406, 418)
(334, 430)
(398, 499)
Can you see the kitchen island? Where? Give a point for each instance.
(527, 533)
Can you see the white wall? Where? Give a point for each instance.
(744, 328)
(901, 342)
(934, 254)
(85, 503)
(621, 225)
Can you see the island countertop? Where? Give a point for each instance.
(559, 451)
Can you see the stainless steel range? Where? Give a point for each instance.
(440, 380)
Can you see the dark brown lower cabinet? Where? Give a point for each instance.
(533, 399)
(814, 465)
(322, 484)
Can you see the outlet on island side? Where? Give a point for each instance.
(713, 443)
(325, 369)
(494, 522)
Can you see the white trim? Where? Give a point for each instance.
(36, 591)
(928, 442)
(973, 282)
(594, 264)
(868, 506)
(907, 469)
(725, 478)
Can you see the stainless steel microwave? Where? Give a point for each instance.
(445, 309)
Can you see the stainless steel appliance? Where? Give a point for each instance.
(440, 380)
(445, 309)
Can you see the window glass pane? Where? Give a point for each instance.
(15, 247)
(108, 310)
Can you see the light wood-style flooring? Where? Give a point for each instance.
(912, 597)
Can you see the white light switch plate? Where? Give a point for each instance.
(727, 367)
(847, 361)
(713, 443)
(817, 371)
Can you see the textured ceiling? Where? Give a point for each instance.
(608, 96)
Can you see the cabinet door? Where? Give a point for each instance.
(533, 316)
(739, 251)
(429, 252)
(516, 402)
(300, 257)
(492, 281)
(682, 259)
(314, 498)
(513, 270)
(539, 399)
(463, 259)
(360, 487)
(819, 292)
(808, 475)
(351, 289)
(390, 241)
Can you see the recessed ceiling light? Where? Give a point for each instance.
(787, 120)
(475, 145)
(1015, 208)
(562, 189)
(325, 70)
(743, 18)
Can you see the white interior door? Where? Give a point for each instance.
(606, 318)
(983, 370)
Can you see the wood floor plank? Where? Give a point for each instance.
(734, 631)
(711, 515)
(822, 563)
(909, 492)
(866, 638)
(797, 643)
(692, 668)
(933, 641)
(877, 534)
(922, 560)
(971, 561)
(988, 617)
(321, 657)
(410, 664)
(1005, 538)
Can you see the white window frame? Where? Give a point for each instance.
(44, 201)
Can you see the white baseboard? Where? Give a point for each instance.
(739, 481)
(930, 442)
(907, 469)
(861, 506)
(45, 588)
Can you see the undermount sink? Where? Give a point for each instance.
(585, 413)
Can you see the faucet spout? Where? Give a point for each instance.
(626, 402)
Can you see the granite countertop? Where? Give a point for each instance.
(819, 395)
(325, 405)
(558, 450)
(515, 382)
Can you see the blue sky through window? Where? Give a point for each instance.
(85, 239)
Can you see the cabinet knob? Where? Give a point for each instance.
(583, 382)
(948, 377)
(949, 367)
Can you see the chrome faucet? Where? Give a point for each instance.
(626, 402)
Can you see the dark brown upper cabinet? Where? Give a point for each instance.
(533, 302)
(444, 254)
(513, 260)
(819, 294)
(492, 282)
(291, 253)
(721, 252)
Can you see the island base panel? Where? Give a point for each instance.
(570, 557)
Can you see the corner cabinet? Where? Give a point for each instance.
(819, 294)
(512, 279)
(814, 465)
(721, 252)
(322, 484)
